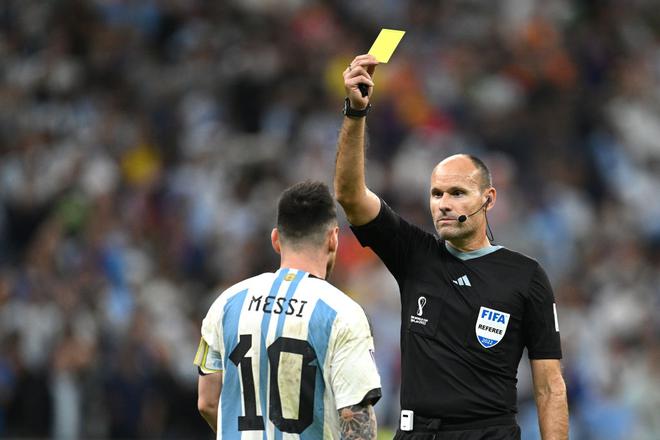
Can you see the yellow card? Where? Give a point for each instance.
(385, 44)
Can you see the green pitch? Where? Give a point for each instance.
(385, 434)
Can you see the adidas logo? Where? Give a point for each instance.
(462, 281)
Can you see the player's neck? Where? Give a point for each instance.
(470, 244)
(310, 263)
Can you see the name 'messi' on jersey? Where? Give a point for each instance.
(274, 337)
(273, 304)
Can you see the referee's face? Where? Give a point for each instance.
(455, 191)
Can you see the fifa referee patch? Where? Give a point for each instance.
(491, 326)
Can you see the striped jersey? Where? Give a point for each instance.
(293, 350)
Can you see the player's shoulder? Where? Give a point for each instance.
(348, 311)
(247, 284)
(335, 298)
(329, 293)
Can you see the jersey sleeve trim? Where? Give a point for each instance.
(372, 397)
(369, 398)
(202, 373)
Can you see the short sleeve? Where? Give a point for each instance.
(390, 237)
(354, 376)
(541, 323)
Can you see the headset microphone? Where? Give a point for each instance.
(463, 218)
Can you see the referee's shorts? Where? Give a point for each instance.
(496, 428)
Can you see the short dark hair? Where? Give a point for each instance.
(304, 213)
(484, 172)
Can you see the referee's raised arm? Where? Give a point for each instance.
(359, 203)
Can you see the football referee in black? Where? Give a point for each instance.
(468, 308)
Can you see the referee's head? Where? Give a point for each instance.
(307, 223)
(461, 192)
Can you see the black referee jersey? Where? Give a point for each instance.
(465, 319)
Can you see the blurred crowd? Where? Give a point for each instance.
(144, 143)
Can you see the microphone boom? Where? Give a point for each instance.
(463, 218)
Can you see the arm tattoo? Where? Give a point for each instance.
(357, 422)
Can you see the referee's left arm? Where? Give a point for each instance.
(550, 396)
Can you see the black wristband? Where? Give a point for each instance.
(353, 113)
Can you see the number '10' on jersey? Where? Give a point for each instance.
(293, 350)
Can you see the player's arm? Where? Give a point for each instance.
(550, 397)
(358, 422)
(209, 387)
(360, 204)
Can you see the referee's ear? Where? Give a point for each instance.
(275, 240)
(491, 197)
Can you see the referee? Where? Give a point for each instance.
(468, 308)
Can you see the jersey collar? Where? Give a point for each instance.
(295, 271)
(472, 254)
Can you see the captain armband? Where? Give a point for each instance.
(207, 360)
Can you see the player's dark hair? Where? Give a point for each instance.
(486, 178)
(304, 213)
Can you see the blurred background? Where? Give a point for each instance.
(143, 145)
